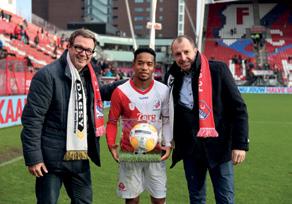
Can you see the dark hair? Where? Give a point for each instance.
(181, 37)
(144, 49)
(84, 33)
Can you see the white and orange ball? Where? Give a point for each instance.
(143, 137)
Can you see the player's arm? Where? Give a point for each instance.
(166, 138)
(166, 130)
(112, 124)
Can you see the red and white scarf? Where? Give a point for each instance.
(206, 118)
(76, 143)
(98, 108)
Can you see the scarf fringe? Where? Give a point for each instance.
(76, 155)
(207, 132)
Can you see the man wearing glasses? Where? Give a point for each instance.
(62, 122)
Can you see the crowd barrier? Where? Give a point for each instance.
(15, 77)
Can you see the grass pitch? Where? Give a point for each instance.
(264, 178)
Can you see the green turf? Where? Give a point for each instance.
(264, 178)
(9, 138)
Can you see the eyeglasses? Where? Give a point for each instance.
(80, 49)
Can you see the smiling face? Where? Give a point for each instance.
(80, 51)
(144, 66)
(184, 53)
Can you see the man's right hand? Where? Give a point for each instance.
(38, 169)
(114, 150)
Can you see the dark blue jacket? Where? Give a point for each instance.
(44, 117)
(230, 115)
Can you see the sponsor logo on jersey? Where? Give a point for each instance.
(143, 97)
(157, 105)
(131, 106)
(146, 117)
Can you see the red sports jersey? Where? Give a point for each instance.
(134, 105)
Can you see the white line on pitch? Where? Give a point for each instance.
(271, 122)
(11, 161)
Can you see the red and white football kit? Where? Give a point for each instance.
(132, 104)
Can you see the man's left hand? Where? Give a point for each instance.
(238, 156)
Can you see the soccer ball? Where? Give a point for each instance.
(143, 137)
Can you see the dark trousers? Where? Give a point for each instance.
(77, 185)
(222, 178)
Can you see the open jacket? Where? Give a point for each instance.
(230, 115)
(44, 117)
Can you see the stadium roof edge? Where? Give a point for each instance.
(102, 39)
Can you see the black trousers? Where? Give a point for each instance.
(75, 175)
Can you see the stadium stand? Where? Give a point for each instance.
(229, 31)
(228, 37)
(47, 49)
(20, 55)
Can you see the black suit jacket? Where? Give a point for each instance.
(230, 115)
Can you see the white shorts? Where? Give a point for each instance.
(135, 177)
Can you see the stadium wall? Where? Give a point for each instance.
(11, 108)
(264, 90)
